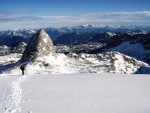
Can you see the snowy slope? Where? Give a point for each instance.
(77, 93)
(87, 94)
(10, 93)
(135, 50)
(112, 62)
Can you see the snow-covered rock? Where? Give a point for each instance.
(121, 63)
(107, 62)
(4, 50)
(136, 46)
(20, 48)
(135, 50)
(113, 62)
(40, 45)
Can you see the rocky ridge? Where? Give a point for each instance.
(40, 45)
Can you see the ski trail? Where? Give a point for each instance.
(13, 96)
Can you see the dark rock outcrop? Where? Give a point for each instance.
(40, 45)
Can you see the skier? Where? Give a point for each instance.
(22, 69)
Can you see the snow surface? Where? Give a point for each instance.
(74, 93)
(10, 93)
(136, 50)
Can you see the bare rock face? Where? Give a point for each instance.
(39, 45)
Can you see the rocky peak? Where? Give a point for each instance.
(39, 45)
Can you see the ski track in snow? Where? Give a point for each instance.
(12, 96)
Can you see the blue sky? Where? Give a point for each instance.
(58, 13)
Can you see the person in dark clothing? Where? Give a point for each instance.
(22, 69)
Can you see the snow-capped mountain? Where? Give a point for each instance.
(74, 38)
(136, 46)
(12, 41)
(13, 38)
(19, 32)
(109, 28)
(82, 38)
(57, 32)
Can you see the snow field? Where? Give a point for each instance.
(86, 93)
(11, 94)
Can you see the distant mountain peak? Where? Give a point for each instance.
(40, 45)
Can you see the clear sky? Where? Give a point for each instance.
(58, 13)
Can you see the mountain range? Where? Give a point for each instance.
(57, 32)
(102, 51)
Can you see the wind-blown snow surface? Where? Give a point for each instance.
(84, 93)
